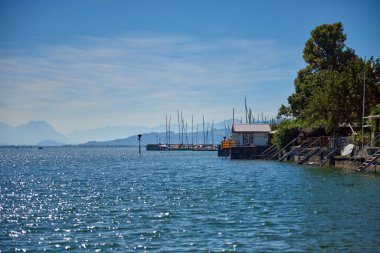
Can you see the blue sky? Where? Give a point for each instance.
(85, 64)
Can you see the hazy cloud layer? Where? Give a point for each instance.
(138, 79)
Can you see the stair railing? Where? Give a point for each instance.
(375, 139)
(307, 156)
(328, 156)
(268, 151)
(310, 144)
(316, 150)
(363, 167)
(284, 148)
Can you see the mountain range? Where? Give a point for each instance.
(42, 133)
(110, 133)
(32, 133)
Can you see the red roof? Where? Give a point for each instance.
(249, 128)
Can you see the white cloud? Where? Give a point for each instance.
(139, 79)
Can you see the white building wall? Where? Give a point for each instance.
(259, 139)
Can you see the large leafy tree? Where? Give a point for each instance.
(328, 91)
(326, 49)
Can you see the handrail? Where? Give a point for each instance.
(377, 137)
(369, 161)
(287, 145)
(314, 149)
(268, 151)
(286, 154)
(308, 155)
(310, 144)
(327, 157)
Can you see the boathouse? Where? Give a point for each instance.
(251, 134)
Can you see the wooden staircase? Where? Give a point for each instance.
(328, 156)
(281, 159)
(314, 148)
(269, 152)
(369, 161)
(310, 153)
(292, 142)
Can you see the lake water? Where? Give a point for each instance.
(112, 199)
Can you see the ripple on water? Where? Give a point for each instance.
(111, 199)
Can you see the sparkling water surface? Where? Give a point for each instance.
(111, 199)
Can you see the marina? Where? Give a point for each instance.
(180, 147)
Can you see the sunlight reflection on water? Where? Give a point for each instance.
(112, 199)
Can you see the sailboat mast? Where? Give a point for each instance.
(179, 129)
(186, 136)
(246, 110)
(203, 128)
(207, 133)
(197, 135)
(212, 132)
(233, 116)
(170, 120)
(192, 130)
(183, 128)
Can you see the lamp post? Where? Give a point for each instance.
(139, 136)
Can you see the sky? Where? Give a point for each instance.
(81, 64)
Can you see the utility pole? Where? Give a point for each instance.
(365, 65)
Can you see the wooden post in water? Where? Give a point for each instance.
(139, 136)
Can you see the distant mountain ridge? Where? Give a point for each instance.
(111, 133)
(42, 133)
(31, 133)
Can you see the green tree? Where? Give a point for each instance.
(328, 91)
(326, 49)
(286, 131)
